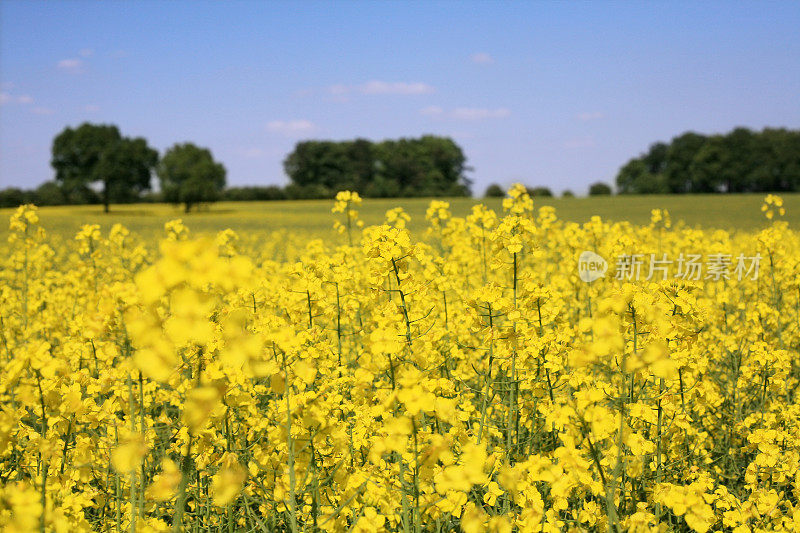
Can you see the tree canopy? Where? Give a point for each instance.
(739, 161)
(599, 189)
(98, 153)
(427, 166)
(190, 176)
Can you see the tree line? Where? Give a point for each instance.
(96, 164)
(50, 193)
(425, 166)
(597, 188)
(97, 155)
(736, 162)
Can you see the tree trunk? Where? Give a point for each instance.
(105, 197)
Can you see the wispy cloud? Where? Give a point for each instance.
(42, 111)
(291, 128)
(302, 93)
(71, 65)
(466, 113)
(86, 52)
(378, 87)
(8, 98)
(396, 87)
(590, 115)
(482, 58)
(479, 113)
(339, 88)
(432, 111)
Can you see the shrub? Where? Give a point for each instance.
(254, 193)
(12, 197)
(494, 191)
(599, 189)
(540, 192)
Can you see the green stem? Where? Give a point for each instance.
(403, 305)
(290, 450)
(485, 399)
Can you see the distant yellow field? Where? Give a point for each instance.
(313, 216)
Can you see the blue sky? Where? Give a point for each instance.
(559, 94)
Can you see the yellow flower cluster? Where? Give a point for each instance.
(346, 202)
(772, 204)
(463, 378)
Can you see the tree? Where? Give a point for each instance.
(680, 155)
(255, 193)
(540, 192)
(49, 193)
(97, 153)
(739, 161)
(361, 163)
(447, 163)
(656, 158)
(189, 175)
(599, 189)
(725, 163)
(13, 197)
(779, 150)
(636, 178)
(427, 166)
(494, 191)
(126, 170)
(323, 163)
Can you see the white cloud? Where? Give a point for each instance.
(339, 93)
(42, 111)
(432, 111)
(482, 58)
(479, 113)
(72, 65)
(86, 52)
(302, 93)
(378, 87)
(339, 88)
(291, 128)
(91, 108)
(397, 87)
(466, 113)
(591, 115)
(8, 98)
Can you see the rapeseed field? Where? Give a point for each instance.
(505, 370)
(311, 219)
